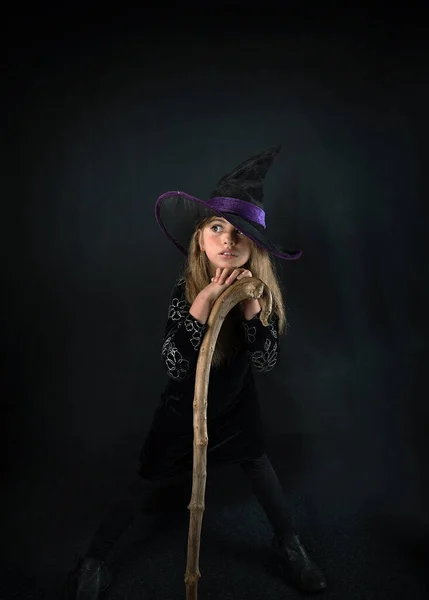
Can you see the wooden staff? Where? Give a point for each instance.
(248, 287)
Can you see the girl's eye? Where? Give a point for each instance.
(214, 226)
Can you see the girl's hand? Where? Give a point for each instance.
(222, 279)
(227, 276)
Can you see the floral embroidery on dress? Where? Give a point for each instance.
(266, 360)
(177, 366)
(272, 329)
(250, 332)
(178, 309)
(197, 329)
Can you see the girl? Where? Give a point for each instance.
(224, 240)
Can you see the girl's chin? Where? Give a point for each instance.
(229, 263)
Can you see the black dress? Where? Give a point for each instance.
(233, 413)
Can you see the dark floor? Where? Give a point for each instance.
(363, 557)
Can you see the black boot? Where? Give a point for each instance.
(88, 579)
(294, 563)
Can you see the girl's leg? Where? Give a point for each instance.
(119, 517)
(91, 576)
(291, 555)
(268, 491)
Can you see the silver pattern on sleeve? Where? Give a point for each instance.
(178, 312)
(250, 332)
(197, 329)
(265, 360)
(178, 309)
(177, 366)
(272, 329)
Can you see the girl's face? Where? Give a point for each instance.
(225, 246)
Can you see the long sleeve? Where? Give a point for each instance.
(183, 336)
(262, 342)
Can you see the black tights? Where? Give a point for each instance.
(265, 485)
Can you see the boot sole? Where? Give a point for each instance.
(278, 569)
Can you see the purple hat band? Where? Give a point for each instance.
(244, 209)
(223, 204)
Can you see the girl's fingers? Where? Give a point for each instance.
(217, 274)
(223, 276)
(226, 276)
(233, 275)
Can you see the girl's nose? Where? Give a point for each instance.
(229, 240)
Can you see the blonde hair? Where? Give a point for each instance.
(197, 276)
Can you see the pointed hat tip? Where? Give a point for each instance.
(274, 151)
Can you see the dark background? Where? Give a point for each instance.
(105, 110)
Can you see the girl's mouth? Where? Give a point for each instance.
(228, 255)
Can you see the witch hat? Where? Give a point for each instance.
(237, 197)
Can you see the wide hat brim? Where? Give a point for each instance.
(178, 213)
